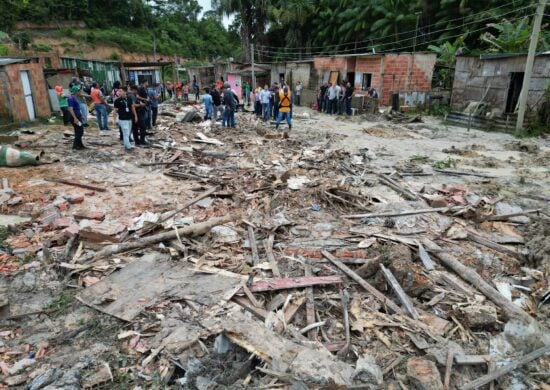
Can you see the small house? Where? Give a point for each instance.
(408, 75)
(23, 94)
(498, 79)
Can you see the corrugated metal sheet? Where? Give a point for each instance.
(7, 60)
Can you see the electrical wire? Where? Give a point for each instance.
(309, 56)
(424, 27)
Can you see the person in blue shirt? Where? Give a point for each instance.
(154, 95)
(208, 104)
(76, 117)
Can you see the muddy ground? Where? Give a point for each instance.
(51, 338)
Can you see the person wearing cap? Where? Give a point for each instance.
(63, 104)
(284, 108)
(76, 117)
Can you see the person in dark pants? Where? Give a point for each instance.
(154, 95)
(76, 118)
(275, 95)
(230, 106)
(139, 127)
(348, 96)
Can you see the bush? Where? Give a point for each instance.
(41, 47)
(114, 56)
(3, 50)
(68, 32)
(23, 39)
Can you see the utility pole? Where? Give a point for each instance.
(252, 61)
(529, 64)
(416, 30)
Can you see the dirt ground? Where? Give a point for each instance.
(297, 191)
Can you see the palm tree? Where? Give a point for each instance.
(252, 16)
(393, 16)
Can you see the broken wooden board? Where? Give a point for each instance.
(316, 367)
(124, 294)
(299, 282)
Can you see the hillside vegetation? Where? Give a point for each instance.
(167, 28)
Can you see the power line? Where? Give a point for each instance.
(424, 27)
(295, 57)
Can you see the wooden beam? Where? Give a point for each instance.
(287, 283)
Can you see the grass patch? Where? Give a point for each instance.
(419, 158)
(447, 163)
(60, 305)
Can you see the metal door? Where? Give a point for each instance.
(27, 91)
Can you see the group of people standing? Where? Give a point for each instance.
(335, 99)
(221, 101)
(135, 109)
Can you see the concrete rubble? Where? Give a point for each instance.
(356, 254)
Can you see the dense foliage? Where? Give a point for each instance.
(167, 27)
(294, 29)
(290, 29)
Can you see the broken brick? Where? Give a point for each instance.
(96, 215)
(72, 230)
(61, 222)
(76, 199)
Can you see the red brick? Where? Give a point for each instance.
(97, 215)
(72, 230)
(61, 222)
(76, 199)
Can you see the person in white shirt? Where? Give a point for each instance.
(298, 93)
(332, 99)
(265, 95)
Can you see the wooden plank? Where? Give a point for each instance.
(251, 296)
(253, 246)
(425, 258)
(310, 305)
(248, 306)
(363, 283)
(448, 369)
(293, 308)
(76, 184)
(268, 245)
(485, 379)
(493, 245)
(286, 283)
(472, 360)
(399, 291)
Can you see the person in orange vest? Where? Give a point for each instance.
(285, 108)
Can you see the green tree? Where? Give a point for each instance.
(252, 17)
(511, 37)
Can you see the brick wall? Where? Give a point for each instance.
(406, 72)
(372, 65)
(17, 97)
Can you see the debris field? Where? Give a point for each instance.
(372, 253)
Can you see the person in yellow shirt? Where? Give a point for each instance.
(285, 109)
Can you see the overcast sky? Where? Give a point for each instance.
(207, 6)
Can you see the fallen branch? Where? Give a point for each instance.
(312, 326)
(505, 217)
(399, 291)
(192, 230)
(459, 173)
(409, 195)
(403, 213)
(485, 379)
(363, 283)
(471, 276)
(76, 184)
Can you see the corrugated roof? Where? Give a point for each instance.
(8, 60)
(497, 56)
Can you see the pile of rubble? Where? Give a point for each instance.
(223, 258)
